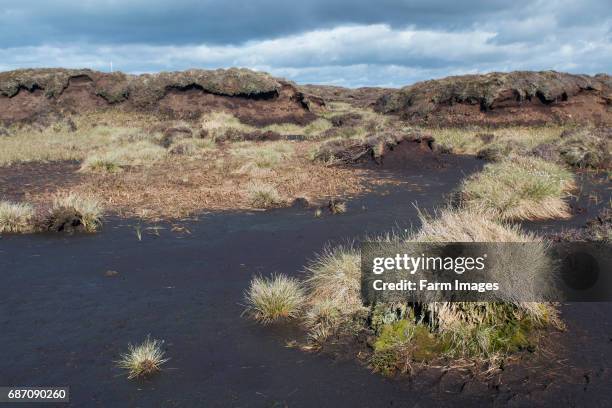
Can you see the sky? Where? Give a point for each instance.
(336, 42)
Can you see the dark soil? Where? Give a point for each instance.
(21, 179)
(64, 318)
(361, 97)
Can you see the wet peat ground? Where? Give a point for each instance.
(64, 321)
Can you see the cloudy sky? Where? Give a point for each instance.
(341, 42)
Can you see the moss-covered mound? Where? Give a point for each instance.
(117, 86)
(27, 93)
(504, 98)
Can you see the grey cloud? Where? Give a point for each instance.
(353, 43)
(32, 22)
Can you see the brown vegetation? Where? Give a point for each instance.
(501, 99)
(34, 94)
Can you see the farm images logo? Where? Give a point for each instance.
(489, 272)
(412, 264)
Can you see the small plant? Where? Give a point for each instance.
(337, 207)
(16, 217)
(274, 298)
(144, 359)
(263, 195)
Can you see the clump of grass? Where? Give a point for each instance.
(465, 140)
(218, 125)
(586, 148)
(263, 195)
(430, 331)
(333, 292)
(519, 188)
(16, 217)
(191, 147)
(144, 359)
(535, 279)
(485, 331)
(264, 156)
(133, 154)
(74, 210)
(274, 298)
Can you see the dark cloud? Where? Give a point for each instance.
(225, 21)
(347, 42)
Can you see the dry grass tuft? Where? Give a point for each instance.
(84, 208)
(333, 292)
(274, 298)
(263, 195)
(519, 188)
(16, 217)
(134, 154)
(144, 359)
(466, 141)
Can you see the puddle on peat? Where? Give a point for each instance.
(64, 321)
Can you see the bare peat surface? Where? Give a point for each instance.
(19, 178)
(64, 320)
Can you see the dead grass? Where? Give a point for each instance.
(124, 163)
(94, 131)
(87, 209)
(16, 217)
(519, 188)
(263, 195)
(467, 141)
(144, 359)
(219, 179)
(118, 157)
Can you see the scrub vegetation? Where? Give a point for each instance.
(68, 212)
(433, 332)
